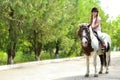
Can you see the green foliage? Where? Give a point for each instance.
(47, 55)
(20, 57)
(3, 58)
(115, 32)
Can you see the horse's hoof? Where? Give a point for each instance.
(87, 75)
(96, 75)
(100, 72)
(106, 72)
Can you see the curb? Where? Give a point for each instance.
(43, 62)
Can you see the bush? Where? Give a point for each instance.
(46, 55)
(20, 57)
(3, 58)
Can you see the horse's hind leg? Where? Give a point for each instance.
(107, 62)
(107, 58)
(101, 60)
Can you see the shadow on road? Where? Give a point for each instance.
(91, 77)
(81, 77)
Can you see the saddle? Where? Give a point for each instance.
(96, 35)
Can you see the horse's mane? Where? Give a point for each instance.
(79, 32)
(80, 29)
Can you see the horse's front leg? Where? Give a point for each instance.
(87, 62)
(95, 64)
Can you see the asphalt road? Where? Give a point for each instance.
(60, 69)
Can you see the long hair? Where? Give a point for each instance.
(91, 19)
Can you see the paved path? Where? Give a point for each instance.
(60, 69)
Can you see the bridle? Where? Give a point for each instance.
(88, 33)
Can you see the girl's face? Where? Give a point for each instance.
(94, 14)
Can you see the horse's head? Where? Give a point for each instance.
(84, 34)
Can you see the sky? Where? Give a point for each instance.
(111, 7)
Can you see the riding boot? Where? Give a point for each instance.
(102, 43)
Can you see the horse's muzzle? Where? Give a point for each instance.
(84, 44)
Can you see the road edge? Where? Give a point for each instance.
(42, 62)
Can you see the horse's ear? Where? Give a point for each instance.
(88, 25)
(79, 25)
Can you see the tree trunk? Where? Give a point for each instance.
(11, 56)
(37, 46)
(12, 39)
(38, 50)
(57, 50)
(11, 53)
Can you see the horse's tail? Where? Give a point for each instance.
(108, 51)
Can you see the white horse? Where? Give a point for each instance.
(91, 45)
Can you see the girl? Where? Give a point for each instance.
(95, 24)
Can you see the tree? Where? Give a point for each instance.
(115, 31)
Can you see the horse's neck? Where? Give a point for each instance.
(91, 33)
